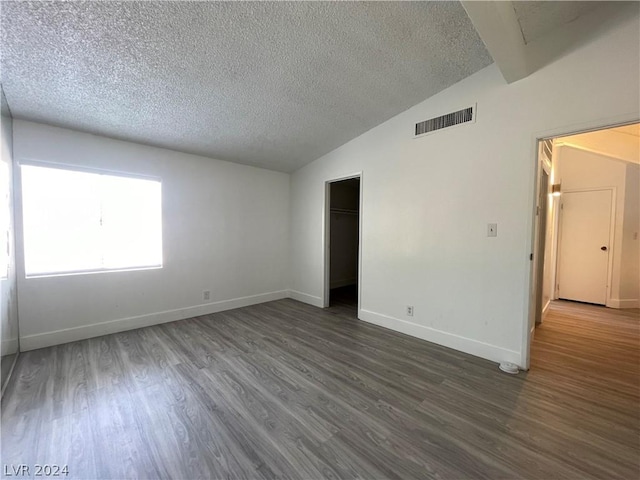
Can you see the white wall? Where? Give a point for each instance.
(8, 302)
(549, 253)
(611, 142)
(579, 169)
(427, 202)
(225, 229)
(546, 164)
(553, 229)
(630, 264)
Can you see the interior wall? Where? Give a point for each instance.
(579, 169)
(546, 163)
(551, 245)
(225, 229)
(345, 203)
(610, 142)
(427, 201)
(9, 343)
(630, 263)
(550, 252)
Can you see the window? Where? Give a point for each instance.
(77, 221)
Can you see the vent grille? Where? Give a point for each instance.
(445, 121)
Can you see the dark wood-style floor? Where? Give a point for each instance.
(285, 390)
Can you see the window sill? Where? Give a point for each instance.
(91, 272)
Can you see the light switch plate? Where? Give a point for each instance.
(492, 230)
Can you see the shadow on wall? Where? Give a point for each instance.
(9, 339)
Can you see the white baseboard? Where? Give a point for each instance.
(623, 303)
(41, 340)
(306, 298)
(7, 378)
(450, 340)
(9, 346)
(345, 282)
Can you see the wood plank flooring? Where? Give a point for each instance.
(285, 390)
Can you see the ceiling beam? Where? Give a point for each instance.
(498, 27)
(553, 45)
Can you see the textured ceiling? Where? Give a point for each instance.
(538, 18)
(275, 85)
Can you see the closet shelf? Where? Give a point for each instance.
(344, 211)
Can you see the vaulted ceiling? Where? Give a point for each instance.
(539, 18)
(270, 84)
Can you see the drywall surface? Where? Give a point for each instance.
(427, 201)
(583, 170)
(630, 263)
(8, 303)
(345, 202)
(615, 142)
(551, 242)
(550, 249)
(225, 229)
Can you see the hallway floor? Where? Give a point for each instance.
(590, 347)
(593, 354)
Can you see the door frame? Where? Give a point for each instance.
(612, 225)
(326, 237)
(534, 275)
(541, 243)
(549, 134)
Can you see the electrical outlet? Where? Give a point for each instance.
(206, 295)
(410, 310)
(492, 230)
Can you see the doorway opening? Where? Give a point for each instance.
(586, 247)
(342, 245)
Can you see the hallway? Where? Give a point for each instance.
(593, 347)
(593, 353)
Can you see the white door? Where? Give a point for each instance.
(584, 246)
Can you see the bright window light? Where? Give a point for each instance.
(77, 221)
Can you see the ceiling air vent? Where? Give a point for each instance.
(445, 121)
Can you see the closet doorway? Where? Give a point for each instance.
(342, 245)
